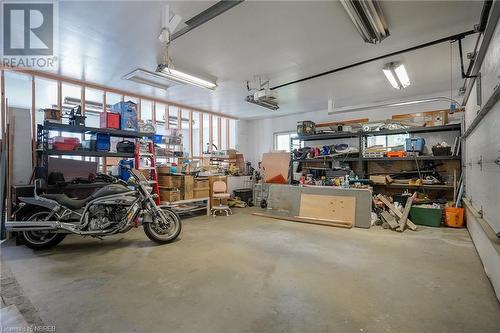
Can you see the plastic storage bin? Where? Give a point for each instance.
(128, 115)
(109, 120)
(415, 145)
(428, 216)
(102, 141)
(125, 166)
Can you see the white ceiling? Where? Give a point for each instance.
(282, 40)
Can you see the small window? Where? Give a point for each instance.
(387, 140)
(282, 141)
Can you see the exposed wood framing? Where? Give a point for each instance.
(200, 125)
(191, 146)
(59, 95)
(66, 79)
(33, 122)
(139, 109)
(227, 134)
(104, 109)
(2, 94)
(210, 132)
(219, 132)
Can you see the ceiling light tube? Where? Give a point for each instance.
(185, 78)
(396, 75)
(368, 19)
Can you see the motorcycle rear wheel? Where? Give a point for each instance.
(39, 240)
(164, 230)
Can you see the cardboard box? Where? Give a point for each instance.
(201, 193)
(188, 187)
(201, 183)
(170, 195)
(170, 181)
(379, 179)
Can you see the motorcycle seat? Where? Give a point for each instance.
(66, 201)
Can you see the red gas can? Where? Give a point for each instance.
(110, 120)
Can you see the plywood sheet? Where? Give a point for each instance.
(326, 207)
(275, 165)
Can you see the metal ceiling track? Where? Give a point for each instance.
(451, 38)
(205, 16)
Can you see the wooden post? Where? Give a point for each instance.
(227, 134)
(139, 109)
(191, 146)
(167, 116)
(59, 95)
(219, 132)
(210, 132)
(3, 109)
(200, 120)
(33, 122)
(104, 110)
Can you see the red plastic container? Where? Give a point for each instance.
(110, 120)
(65, 143)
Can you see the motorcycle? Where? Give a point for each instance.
(44, 220)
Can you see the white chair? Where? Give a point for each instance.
(219, 192)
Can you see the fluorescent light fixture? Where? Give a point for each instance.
(153, 79)
(185, 78)
(396, 75)
(393, 104)
(368, 18)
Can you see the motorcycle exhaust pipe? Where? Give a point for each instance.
(31, 226)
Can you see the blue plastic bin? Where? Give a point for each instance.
(158, 138)
(415, 145)
(102, 141)
(125, 166)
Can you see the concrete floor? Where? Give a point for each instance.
(250, 274)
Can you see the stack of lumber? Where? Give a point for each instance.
(394, 218)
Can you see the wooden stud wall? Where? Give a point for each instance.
(83, 85)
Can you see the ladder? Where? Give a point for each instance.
(149, 154)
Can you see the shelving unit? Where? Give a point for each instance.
(43, 151)
(362, 163)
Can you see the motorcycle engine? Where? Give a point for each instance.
(103, 216)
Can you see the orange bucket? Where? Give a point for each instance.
(454, 217)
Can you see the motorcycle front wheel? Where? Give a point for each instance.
(164, 229)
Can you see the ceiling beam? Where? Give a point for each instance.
(205, 16)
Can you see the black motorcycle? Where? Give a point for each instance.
(44, 220)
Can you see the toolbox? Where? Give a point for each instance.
(128, 115)
(125, 146)
(65, 143)
(109, 120)
(396, 154)
(101, 141)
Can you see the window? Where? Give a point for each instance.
(387, 140)
(282, 141)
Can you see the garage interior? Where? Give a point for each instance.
(250, 166)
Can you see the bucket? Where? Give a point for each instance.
(454, 217)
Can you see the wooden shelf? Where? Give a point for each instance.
(427, 187)
(355, 159)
